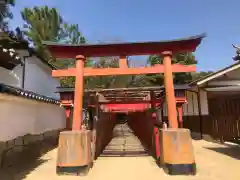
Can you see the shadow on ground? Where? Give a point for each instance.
(196, 136)
(229, 150)
(18, 165)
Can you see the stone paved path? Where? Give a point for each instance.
(214, 161)
(124, 144)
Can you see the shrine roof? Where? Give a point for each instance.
(131, 89)
(188, 44)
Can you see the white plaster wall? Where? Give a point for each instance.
(204, 102)
(191, 107)
(11, 77)
(38, 78)
(21, 116)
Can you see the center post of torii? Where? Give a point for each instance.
(75, 148)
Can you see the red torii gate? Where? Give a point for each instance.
(81, 52)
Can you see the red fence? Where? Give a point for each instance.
(142, 125)
(104, 133)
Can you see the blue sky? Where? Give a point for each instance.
(153, 20)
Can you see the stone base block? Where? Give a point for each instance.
(180, 169)
(73, 170)
(74, 152)
(177, 154)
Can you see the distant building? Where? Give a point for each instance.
(21, 67)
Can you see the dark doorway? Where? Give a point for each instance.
(121, 118)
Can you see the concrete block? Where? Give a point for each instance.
(1, 158)
(195, 135)
(74, 152)
(18, 141)
(10, 144)
(50, 134)
(9, 158)
(177, 154)
(28, 139)
(3, 146)
(17, 149)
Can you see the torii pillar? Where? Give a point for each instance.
(169, 89)
(74, 150)
(177, 155)
(78, 95)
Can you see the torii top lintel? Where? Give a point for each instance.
(124, 49)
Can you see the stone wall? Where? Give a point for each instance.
(26, 124)
(21, 116)
(12, 150)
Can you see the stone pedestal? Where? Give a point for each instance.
(74, 152)
(177, 154)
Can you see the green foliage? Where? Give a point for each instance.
(70, 34)
(103, 81)
(198, 75)
(5, 13)
(41, 24)
(179, 78)
(180, 58)
(46, 24)
(107, 81)
(112, 81)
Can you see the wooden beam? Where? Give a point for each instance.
(129, 102)
(224, 83)
(122, 98)
(123, 71)
(66, 102)
(178, 100)
(64, 72)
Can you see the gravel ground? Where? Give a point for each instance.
(214, 162)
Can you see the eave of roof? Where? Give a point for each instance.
(9, 59)
(9, 41)
(126, 49)
(215, 75)
(10, 90)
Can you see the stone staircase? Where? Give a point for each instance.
(124, 143)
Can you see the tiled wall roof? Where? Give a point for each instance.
(26, 94)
